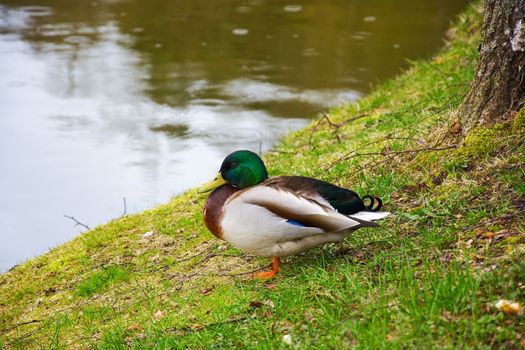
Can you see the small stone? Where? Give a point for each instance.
(148, 234)
(240, 31)
(293, 8)
(287, 339)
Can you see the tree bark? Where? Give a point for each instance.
(498, 88)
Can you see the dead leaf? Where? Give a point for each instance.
(504, 233)
(50, 291)
(135, 327)
(269, 303)
(446, 257)
(488, 235)
(158, 315)
(455, 127)
(448, 316)
(206, 291)
(391, 337)
(438, 180)
(267, 312)
(509, 307)
(256, 304)
(479, 257)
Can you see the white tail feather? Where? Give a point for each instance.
(370, 215)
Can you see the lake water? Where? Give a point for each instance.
(105, 100)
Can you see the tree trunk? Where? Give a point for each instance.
(498, 88)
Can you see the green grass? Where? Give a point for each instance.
(428, 278)
(101, 279)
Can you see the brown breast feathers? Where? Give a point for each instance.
(213, 208)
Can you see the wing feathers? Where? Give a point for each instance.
(291, 206)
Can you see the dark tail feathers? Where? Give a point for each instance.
(375, 203)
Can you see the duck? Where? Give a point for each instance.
(281, 216)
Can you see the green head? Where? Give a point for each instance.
(240, 169)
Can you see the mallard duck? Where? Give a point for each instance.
(283, 215)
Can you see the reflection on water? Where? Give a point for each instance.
(101, 100)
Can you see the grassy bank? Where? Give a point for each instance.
(428, 278)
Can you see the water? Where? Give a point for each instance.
(105, 100)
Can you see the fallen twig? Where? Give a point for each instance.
(353, 153)
(77, 223)
(125, 207)
(342, 158)
(199, 328)
(337, 126)
(404, 151)
(18, 325)
(279, 151)
(203, 260)
(242, 273)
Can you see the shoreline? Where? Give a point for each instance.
(424, 279)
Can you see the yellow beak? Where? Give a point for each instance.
(213, 184)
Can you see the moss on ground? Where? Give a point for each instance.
(428, 278)
(518, 126)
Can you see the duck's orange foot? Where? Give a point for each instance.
(264, 275)
(268, 274)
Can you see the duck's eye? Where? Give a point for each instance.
(233, 165)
